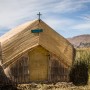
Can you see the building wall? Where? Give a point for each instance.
(0, 54)
(18, 71)
(58, 71)
(37, 65)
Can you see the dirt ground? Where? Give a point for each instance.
(57, 86)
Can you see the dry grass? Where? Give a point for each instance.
(57, 86)
(83, 53)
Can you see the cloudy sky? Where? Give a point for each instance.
(68, 17)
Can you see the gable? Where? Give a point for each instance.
(56, 44)
(24, 40)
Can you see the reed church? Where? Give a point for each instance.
(34, 52)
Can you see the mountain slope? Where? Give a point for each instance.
(80, 41)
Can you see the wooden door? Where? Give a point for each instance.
(38, 64)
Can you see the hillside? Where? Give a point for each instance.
(80, 41)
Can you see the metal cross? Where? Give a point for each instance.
(39, 14)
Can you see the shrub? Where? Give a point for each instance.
(79, 73)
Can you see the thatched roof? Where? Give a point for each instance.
(20, 39)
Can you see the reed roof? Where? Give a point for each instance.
(20, 39)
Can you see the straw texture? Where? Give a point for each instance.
(20, 39)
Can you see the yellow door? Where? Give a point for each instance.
(38, 64)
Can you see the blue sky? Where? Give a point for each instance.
(68, 17)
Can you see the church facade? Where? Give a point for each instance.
(34, 52)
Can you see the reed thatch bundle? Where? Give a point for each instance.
(20, 39)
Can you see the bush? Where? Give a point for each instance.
(79, 73)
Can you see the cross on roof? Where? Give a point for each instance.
(39, 14)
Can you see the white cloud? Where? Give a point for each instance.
(59, 23)
(15, 12)
(70, 6)
(85, 17)
(12, 11)
(83, 26)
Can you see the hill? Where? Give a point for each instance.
(80, 41)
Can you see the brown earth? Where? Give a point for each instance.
(80, 41)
